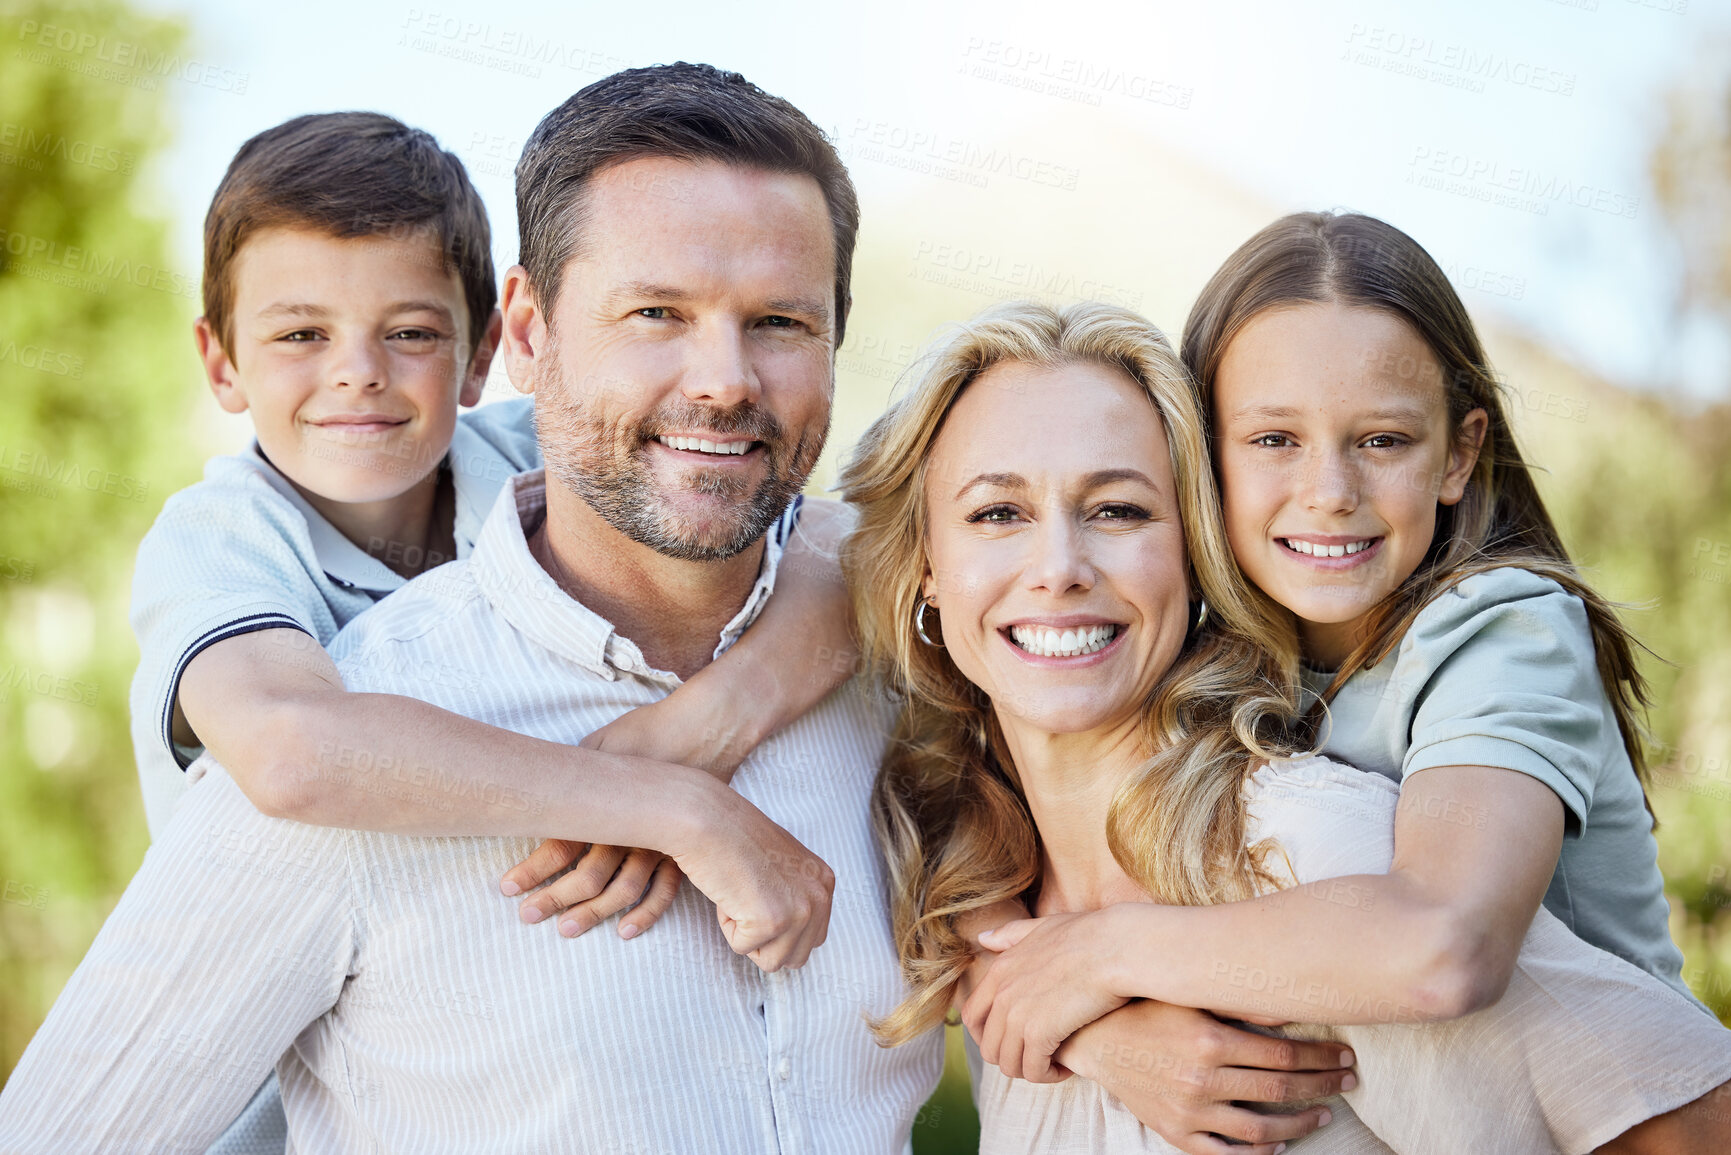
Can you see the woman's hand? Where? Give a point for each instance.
(1183, 1073)
(1050, 979)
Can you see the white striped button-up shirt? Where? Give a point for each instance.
(410, 1008)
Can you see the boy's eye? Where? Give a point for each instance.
(300, 335)
(993, 515)
(415, 335)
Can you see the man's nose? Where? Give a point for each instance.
(719, 369)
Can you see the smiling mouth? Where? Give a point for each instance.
(1049, 643)
(713, 448)
(1309, 549)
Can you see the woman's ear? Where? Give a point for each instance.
(1463, 456)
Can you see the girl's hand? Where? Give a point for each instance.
(1049, 980)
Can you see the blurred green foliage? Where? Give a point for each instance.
(94, 362)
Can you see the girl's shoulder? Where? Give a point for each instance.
(1514, 606)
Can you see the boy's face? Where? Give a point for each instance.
(352, 357)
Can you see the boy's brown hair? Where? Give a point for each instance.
(348, 174)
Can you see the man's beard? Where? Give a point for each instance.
(604, 464)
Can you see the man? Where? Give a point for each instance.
(686, 243)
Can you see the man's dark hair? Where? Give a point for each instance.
(685, 111)
(348, 174)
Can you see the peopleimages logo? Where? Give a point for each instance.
(128, 57)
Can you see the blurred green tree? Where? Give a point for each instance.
(96, 375)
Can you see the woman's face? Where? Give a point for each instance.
(1056, 558)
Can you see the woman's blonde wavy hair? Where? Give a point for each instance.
(948, 806)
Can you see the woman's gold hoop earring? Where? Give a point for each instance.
(920, 625)
(1201, 616)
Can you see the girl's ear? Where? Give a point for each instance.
(1463, 456)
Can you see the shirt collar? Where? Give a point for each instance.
(343, 561)
(531, 602)
(477, 474)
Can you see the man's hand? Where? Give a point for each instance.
(604, 880)
(1183, 1072)
(1050, 979)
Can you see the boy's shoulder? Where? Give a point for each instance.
(238, 491)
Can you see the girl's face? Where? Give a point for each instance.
(1335, 450)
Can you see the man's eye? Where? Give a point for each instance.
(776, 321)
(654, 312)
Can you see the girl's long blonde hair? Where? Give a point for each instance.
(948, 806)
(1358, 260)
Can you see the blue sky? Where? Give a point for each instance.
(1509, 136)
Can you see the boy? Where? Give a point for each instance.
(350, 309)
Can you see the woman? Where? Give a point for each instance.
(1089, 719)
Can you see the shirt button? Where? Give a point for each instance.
(784, 1070)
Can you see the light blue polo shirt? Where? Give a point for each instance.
(243, 551)
(1501, 671)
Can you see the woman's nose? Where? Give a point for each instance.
(1060, 561)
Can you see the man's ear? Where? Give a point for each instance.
(475, 379)
(219, 368)
(523, 329)
(1463, 456)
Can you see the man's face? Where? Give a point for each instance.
(683, 380)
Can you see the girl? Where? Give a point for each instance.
(1373, 493)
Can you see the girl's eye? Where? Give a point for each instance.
(1272, 441)
(992, 515)
(1384, 441)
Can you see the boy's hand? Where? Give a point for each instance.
(771, 894)
(603, 881)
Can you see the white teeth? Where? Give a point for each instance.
(699, 445)
(1308, 549)
(1050, 643)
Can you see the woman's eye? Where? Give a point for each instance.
(993, 515)
(1120, 511)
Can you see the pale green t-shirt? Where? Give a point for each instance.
(1500, 671)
